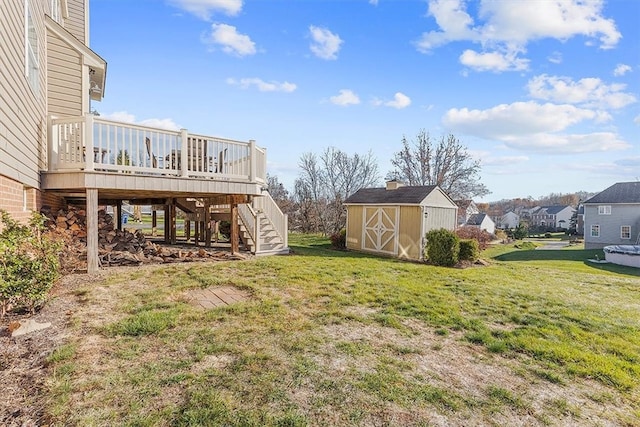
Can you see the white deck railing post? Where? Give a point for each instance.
(88, 142)
(256, 240)
(252, 160)
(184, 160)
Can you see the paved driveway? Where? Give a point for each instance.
(552, 245)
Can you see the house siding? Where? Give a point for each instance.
(64, 78)
(76, 22)
(621, 214)
(22, 121)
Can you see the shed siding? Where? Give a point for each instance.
(439, 217)
(75, 23)
(22, 122)
(354, 227)
(409, 236)
(438, 199)
(621, 214)
(64, 78)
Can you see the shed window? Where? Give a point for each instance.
(625, 232)
(595, 230)
(604, 210)
(32, 64)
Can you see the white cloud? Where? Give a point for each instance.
(505, 28)
(555, 58)
(325, 44)
(503, 160)
(400, 101)
(231, 41)
(263, 86)
(346, 97)
(535, 127)
(588, 92)
(636, 119)
(373, 2)
(621, 70)
(203, 9)
(126, 117)
(493, 61)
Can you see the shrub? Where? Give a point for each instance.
(547, 235)
(483, 237)
(339, 239)
(469, 250)
(443, 247)
(29, 263)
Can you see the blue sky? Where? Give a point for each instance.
(544, 93)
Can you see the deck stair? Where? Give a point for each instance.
(263, 227)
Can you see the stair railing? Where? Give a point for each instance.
(271, 210)
(251, 223)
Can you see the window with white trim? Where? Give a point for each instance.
(604, 210)
(56, 12)
(625, 232)
(32, 64)
(595, 230)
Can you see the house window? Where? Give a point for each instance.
(56, 14)
(31, 51)
(595, 230)
(625, 232)
(604, 210)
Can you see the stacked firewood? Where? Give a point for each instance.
(116, 247)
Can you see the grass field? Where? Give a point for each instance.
(339, 338)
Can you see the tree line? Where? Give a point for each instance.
(326, 180)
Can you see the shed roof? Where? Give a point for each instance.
(620, 192)
(403, 195)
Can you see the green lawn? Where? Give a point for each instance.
(340, 338)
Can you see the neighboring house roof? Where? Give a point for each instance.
(401, 195)
(621, 192)
(553, 210)
(476, 219)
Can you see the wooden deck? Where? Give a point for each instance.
(103, 162)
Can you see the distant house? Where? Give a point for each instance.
(466, 208)
(509, 220)
(482, 221)
(552, 217)
(394, 220)
(580, 220)
(612, 217)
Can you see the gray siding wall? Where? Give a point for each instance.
(22, 111)
(438, 217)
(621, 214)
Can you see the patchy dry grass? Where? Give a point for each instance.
(337, 338)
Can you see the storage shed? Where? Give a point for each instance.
(393, 221)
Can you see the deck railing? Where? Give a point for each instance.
(266, 205)
(129, 148)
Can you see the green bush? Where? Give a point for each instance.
(469, 250)
(29, 263)
(443, 247)
(339, 239)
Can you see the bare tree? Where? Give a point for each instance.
(445, 163)
(328, 180)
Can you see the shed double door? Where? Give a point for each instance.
(380, 231)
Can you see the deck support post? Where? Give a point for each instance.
(196, 231)
(167, 233)
(119, 214)
(187, 229)
(154, 222)
(235, 235)
(207, 221)
(172, 214)
(92, 230)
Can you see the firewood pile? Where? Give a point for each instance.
(116, 247)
